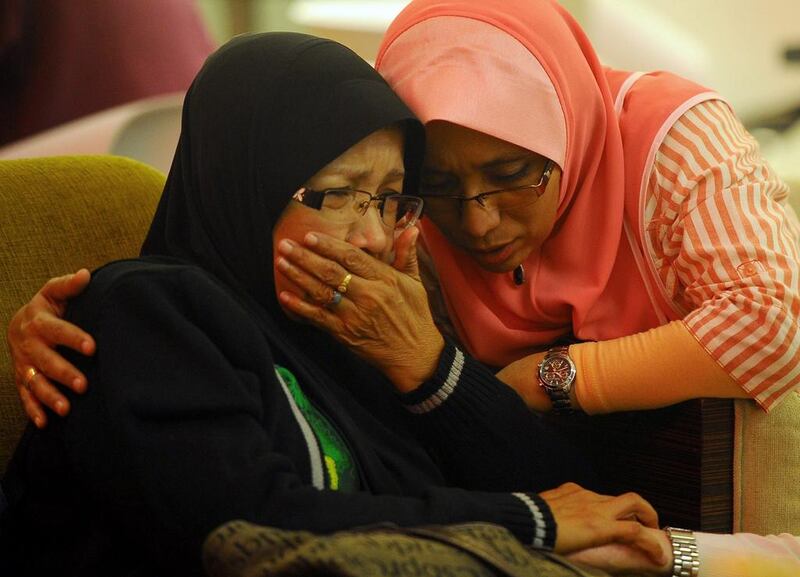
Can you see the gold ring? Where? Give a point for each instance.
(29, 374)
(342, 288)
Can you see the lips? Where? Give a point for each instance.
(495, 255)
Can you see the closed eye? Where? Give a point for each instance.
(512, 173)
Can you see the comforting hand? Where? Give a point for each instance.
(33, 334)
(586, 520)
(619, 558)
(383, 315)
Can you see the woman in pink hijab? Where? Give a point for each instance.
(657, 237)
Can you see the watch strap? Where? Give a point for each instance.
(685, 556)
(560, 399)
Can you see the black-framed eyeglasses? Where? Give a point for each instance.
(347, 205)
(443, 205)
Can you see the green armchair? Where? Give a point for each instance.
(57, 215)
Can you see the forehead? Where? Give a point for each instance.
(375, 157)
(452, 144)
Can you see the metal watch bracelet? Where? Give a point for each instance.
(685, 557)
(560, 398)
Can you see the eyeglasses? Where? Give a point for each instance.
(347, 205)
(439, 206)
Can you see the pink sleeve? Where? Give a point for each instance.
(728, 250)
(748, 555)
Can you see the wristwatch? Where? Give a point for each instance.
(685, 557)
(556, 376)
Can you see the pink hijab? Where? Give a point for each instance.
(523, 71)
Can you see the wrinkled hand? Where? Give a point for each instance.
(586, 519)
(618, 558)
(34, 332)
(384, 315)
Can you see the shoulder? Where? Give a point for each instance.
(705, 151)
(155, 275)
(175, 291)
(175, 317)
(155, 271)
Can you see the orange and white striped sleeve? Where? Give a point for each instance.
(726, 247)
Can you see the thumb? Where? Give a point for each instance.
(405, 259)
(57, 291)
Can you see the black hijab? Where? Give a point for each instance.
(264, 114)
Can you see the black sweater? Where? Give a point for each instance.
(185, 427)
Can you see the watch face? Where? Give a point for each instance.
(557, 371)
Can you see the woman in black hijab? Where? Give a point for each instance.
(209, 404)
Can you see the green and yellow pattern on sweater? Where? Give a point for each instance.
(340, 467)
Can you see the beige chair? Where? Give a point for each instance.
(57, 215)
(766, 468)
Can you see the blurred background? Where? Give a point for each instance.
(747, 51)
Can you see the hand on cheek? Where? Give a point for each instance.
(383, 314)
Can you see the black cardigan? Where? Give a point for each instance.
(185, 427)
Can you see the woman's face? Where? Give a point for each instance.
(463, 162)
(374, 165)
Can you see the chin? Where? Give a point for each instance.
(506, 265)
(501, 267)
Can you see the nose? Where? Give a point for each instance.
(477, 220)
(370, 234)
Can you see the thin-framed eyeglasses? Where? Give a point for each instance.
(501, 199)
(347, 205)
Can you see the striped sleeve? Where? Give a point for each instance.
(725, 245)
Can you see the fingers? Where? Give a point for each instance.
(325, 273)
(587, 519)
(56, 331)
(649, 541)
(406, 253)
(348, 256)
(312, 288)
(568, 489)
(65, 287)
(32, 408)
(317, 315)
(631, 505)
(33, 343)
(617, 558)
(315, 276)
(42, 391)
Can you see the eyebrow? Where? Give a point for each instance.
(355, 175)
(494, 163)
(507, 160)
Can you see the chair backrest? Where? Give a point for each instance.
(766, 459)
(146, 130)
(57, 215)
